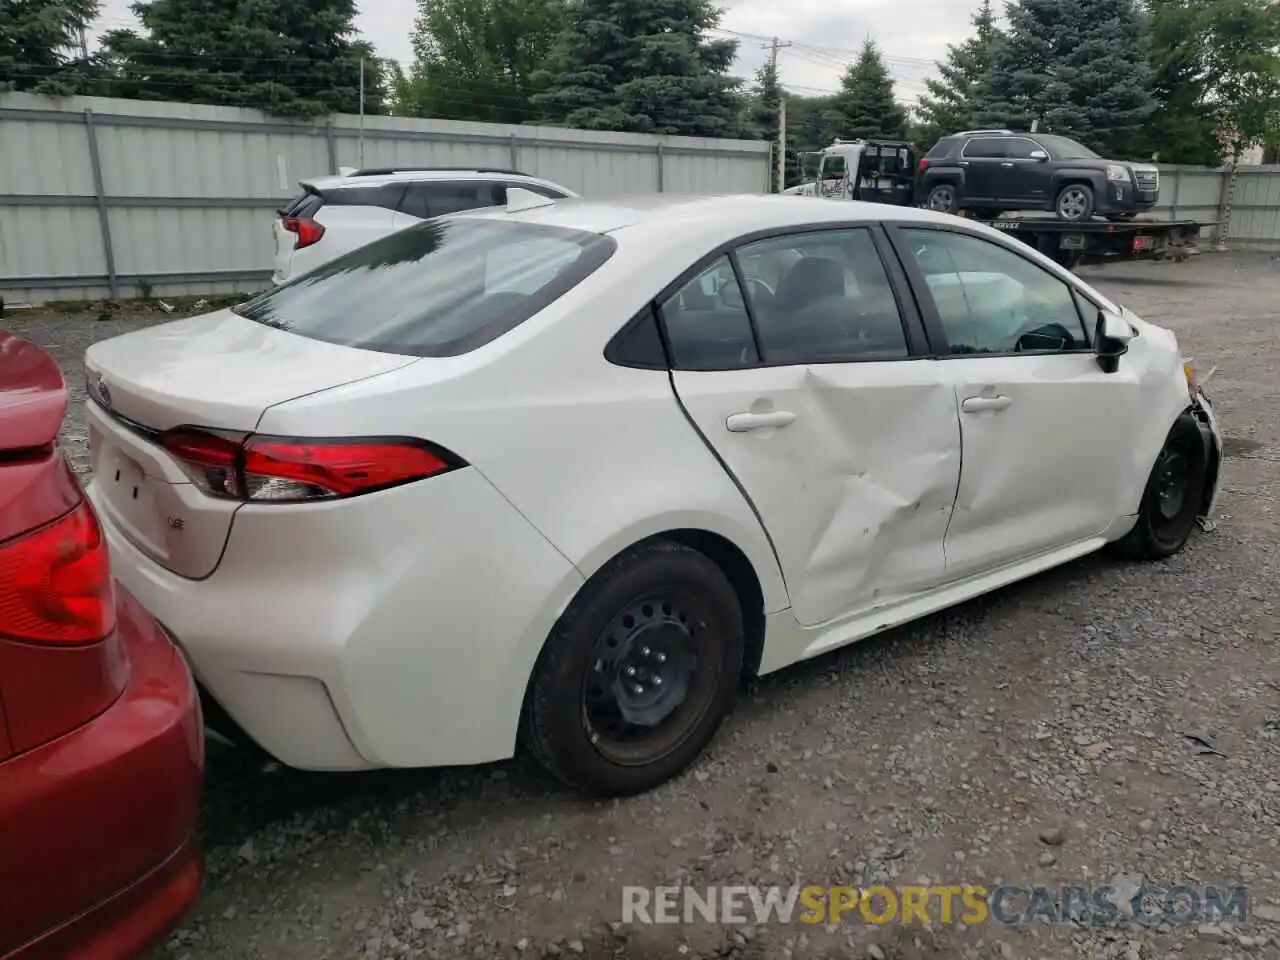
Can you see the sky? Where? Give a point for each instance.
(824, 35)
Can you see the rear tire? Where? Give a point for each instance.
(1172, 496)
(638, 673)
(943, 199)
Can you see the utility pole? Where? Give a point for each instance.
(782, 144)
(84, 42)
(773, 46)
(362, 112)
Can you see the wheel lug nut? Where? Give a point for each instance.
(644, 651)
(630, 671)
(661, 658)
(637, 689)
(657, 681)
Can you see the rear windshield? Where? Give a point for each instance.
(940, 148)
(437, 289)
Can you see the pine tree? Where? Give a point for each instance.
(40, 45)
(644, 67)
(293, 58)
(865, 107)
(1081, 69)
(475, 59)
(948, 106)
(766, 98)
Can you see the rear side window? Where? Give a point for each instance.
(438, 289)
(985, 148)
(439, 198)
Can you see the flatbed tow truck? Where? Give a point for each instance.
(884, 171)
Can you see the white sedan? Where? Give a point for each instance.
(564, 474)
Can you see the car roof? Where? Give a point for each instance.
(381, 177)
(728, 216)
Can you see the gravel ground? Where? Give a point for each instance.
(1052, 733)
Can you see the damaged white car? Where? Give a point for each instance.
(561, 475)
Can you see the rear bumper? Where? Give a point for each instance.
(398, 629)
(98, 827)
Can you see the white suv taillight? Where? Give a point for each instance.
(306, 231)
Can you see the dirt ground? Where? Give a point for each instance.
(1101, 723)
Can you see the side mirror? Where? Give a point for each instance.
(1039, 155)
(1111, 340)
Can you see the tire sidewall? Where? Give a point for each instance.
(951, 207)
(555, 710)
(1144, 535)
(1089, 208)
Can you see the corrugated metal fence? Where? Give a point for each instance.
(120, 197)
(117, 197)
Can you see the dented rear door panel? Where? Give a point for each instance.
(857, 489)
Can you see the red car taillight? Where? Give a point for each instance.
(285, 469)
(55, 583)
(306, 231)
(924, 162)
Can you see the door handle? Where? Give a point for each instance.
(979, 404)
(742, 422)
(1007, 163)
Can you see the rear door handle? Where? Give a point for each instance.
(979, 404)
(742, 422)
(1007, 164)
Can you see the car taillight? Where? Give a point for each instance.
(924, 162)
(260, 468)
(55, 582)
(306, 231)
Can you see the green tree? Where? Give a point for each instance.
(1080, 69)
(293, 58)
(865, 106)
(40, 45)
(475, 59)
(949, 105)
(1183, 128)
(811, 125)
(1242, 71)
(644, 67)
(765, 99)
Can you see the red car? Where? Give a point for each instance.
(101, 737)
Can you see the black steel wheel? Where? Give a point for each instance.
(1172, 497)
(638, 673)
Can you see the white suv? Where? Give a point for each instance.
(336, 214)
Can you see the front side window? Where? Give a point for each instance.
(1062, 148)
(440, 288)
(822, 297)
(990, 300)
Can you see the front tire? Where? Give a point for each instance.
(1172, 496)
(1074, 203)
(638, 673)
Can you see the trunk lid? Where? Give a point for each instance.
(218, 371)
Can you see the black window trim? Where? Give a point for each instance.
(908, 312)
(939, 345)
